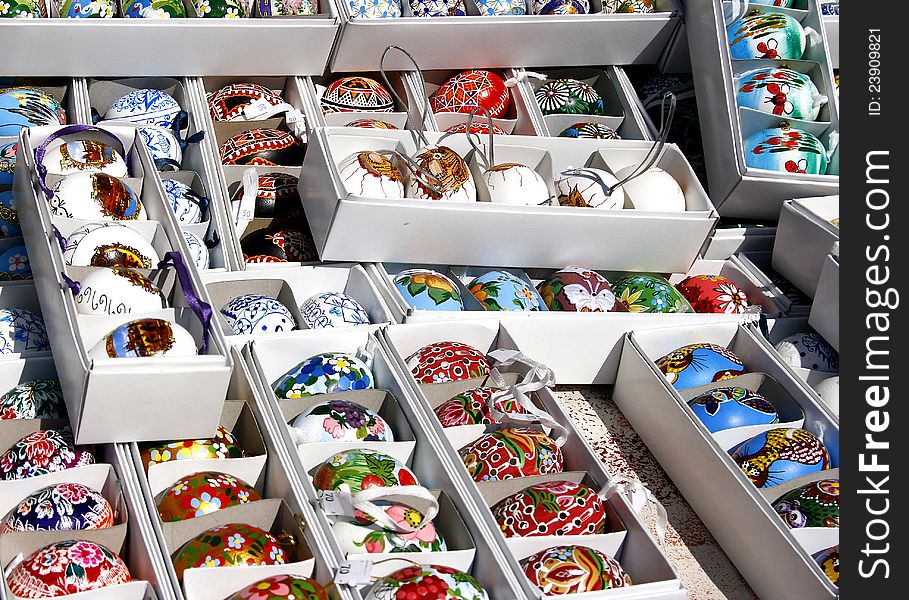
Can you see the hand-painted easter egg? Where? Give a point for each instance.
(561, 7)
(648, 293)
(106, 244)
(428, 581)
(713, 294)
(198, 251)
(233, 545)
(829, 562)
(145, 338)
(627, 6)
(86, 9)
(370, 124)
(279, 243)
(444, 169)
(257, 313)
(42, 452)
(204, 493)
(36, 399)
(514, 183)
(589, 187)
(163, 146)
(830, 8)
(117, 291)
(145, 107)
(231, 102)
(699, 364)
(25, 9)
(268, 147)
(7, 163)
(425, 289)
(496, 8)
(655, 189)
(340, 421)
(563, 570)
(14, 264)
(333, 309)
(729, 407)
(594, 131)
(372, 175)
(816, 504)
(829, 391)
(551, 508)
(60, 507)
(775, 36)
(469, 89)
(809, 351)
(361, 469)
(325, 373)
(27, 107)
(67, 567)
(222, 445)
(568, 96)
(287, 8)
(282, 587)
(779, 91)
(362, 535)
(22, 330)
(438, 8)
(778, 455)
(187, 205)
(503, 290)
(90, 196)
(374, 9)
(276, 196)
(787, 150)
(575, 289)
(222, 9)
(357, 93)
(480, 127)
(9, 218)
(84, 155)
(152, 9)
(447, 361)
(510, 453)
(472, 407)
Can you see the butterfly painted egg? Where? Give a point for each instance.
(223, 445)
(370, 124)
(283, 8)
(357, 94)
(65, 568)
(144, 107)
(510, 453)
(279, 243)
(809, 351)
(424, 289)
(362, 535)
(107, 244)
(427, 581)
(829, 391)
(42, 452)
(563, 570)
(275, 196)
(627, 6)
(60, 507)
(829, 562)
(374, 9)
(568, 96)
(787, 150)
(779, 91)
(361, 469)
(372, 175)
(84, 155)
(447, 171)
(576, 289)
(589, 187)
(269, 147)
(117, 291)
(27, 107)
(325, 373)
(699, 364)
(655, 189)
(713, 294)
(648, 293)
(8, 162)
(438, 8)
(447, 361)
(152, 9)
(89, 196)
(551, 508)
(282, 587)
(204, 493)
(22, 330)
(479, 127)
(594, 131)
(514, 183)
(816, 504)
(561, 7)
(187, 205)
(9, 218)
(37, 399)
(14, 265)
(333, 309)
(145, 338)
(84, 9)
(233, 545)
(774, 36)
(163, 146)
(472, 407)
(257, 313)
(231, 101)
(198, 251)
(778, 455)
(496, 8)
(502, 290)
(730, 407)
(467, 90)
(340, 421)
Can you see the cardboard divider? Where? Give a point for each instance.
(805, 234)
(825, 311)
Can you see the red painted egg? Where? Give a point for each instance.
(269, 147)
(480, 127)
(203, 493)
(370, 124)
(510, 453)
(42, 452)
(356, 94)
(713, 294)
(66, 568)
(230, 102)
(447, 361)
(233, 545)
(465, 91)
(562, 570)
(472, 407)
(576, 289)
(551, 508)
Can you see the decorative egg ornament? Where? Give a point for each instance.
(184, 201)
(496, 8)
(425, 289)
(568, 96)
(510, 453)
(514, 183)
(282, 587)
(202, 494)
(809, 351)
(627, 6)
(655, 189)
(361, 469)
(152, 9)
(713, 294)
(589, 187)
(829, 562)
(268, 147)
(480, 127)
(60, 507)
(37, 399)
(551, 508)
(276, 195)
(469, 89)
(779, 91)
(233, 545)
(162, 144)
(362, 535)
(325, 373)
(371, 175)
(699, 364)
(257, 313)
(438, 8)
(7, 163)
(279, 243)
(285, 8)
(65, 568)
(371, 124)
(341, 421)
(786, 149)
(563, 570)
(502, 290)
(90, 196)
(359, 94)
(42, 452)
(592, 131)
(648, 293)
(774, 36)
(198, 251)
(575, 289)
(447, 361)
(778, 455)
(816, 504)
(231, 102)
(145, 338)
(27, 107)
(9, 218)
(14, 264)
(84, 155)
(144, 107)
(222, 9)
(22, 330)
(107, 244)
(449, 174)
(333, 309)
(118, 291)
(427, 581)
(472, 407)
(223, 445)
(730, 407)
(561, 7)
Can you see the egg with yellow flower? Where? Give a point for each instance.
(503, 290)
(425, 289)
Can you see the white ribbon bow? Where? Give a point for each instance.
(640, 497)
(346, 504)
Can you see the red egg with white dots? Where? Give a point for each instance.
(469, 89)
(713, 294)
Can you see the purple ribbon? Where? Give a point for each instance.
(68, 130)
(74, 286)
(202, 309)
(60, 239)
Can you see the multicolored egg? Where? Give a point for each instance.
(425, 289)
(222, 445)
(816, 504)
(627, 6)
(284, 8)
(575, 289)
(779, 91)
(25, 9)
(510, 453)
(357, 93)
(162, 144)
(37, 399)
(479, 127)
(340, 421)
(654, 189)
(699, 364)
(257, 313)
(27, 107)
(325, 373)
(279, 243)
(447, 361)
(187, 205)
(222, 9)
(427, 581)
(282, 587)
(829, 562)
(152, 9)
(42, 452)
(374, 9)
(593, 131)
(787, 150)
(204, 493)
(144, 107)
(438, 8)
(22, 330)
(333, 309)
(568, 96)
(778, 455)
(60, 507)
(65, 568)
(9, 218)
(144, 338)
(107, 244)
(371, 175)
(730, 407)
(8, 162)
(447, 172)
(551, 508)
(370, 124)
(276, 196)
(90, 196)
(514, 183)
(14, 264)
(648, 293)
(496, 8)
(809, 351)
(774, 36)
(563, 570)
(233, 545)
(472, 407)
(230, 102)
(269, 147)
(362, 535)
(118, 291)
(361, 469)
(561, 7)
(503, 290)
(589, 187)
(84, 155)
(713, 294)
(467, 90)
(198, 250)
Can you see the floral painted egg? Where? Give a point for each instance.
(9, 218)
(370, 124)
(628, 6)
(325, 373)
(42, 452)
(27, 107)
(480, 127)
(699, 364)
(816, 504)
(830, 8)
(809, 351)
(551, 508)
(198, 251)
(778, 455)
(829, 562)
(117, 291)
(60, 507)
(502, 290)
(106, 244)
(568, 96)
(495, 8)
(779, 91)
(333, 309)
(447, 361)
(472, 407)
(85, 9)
(276, 196)
(268, 147)
(438, 8)
(563, 570)
(510, 453)
(204, 493)
(222, 9)
(787, 150)
(362, 535)
(372, 175)
(427, 581)
(223, 445)
(152, 9)
(144, 338)
(829, 391)
(655, 189)
(84, 155)
(594, 131)
(145, 107)
(14, 265)
(285, 8)
(561, 7)
(7, 162)
(22, 330)
(648, 293)
(576, 289)
(282, 243)
(447, 172)
(341, 421)
(775, 36)
(514, 183)
(374, 9)
(67, 567)
(163, 146)
(90, 196)
(257, 313)
(357, 93)
(233, 545)
(282, 587)
(187, 205)
(24, 9)
(425, 289)
(730, 407)
(361, 469)
(589, 187)
(470, 89)
(231, 102)
(37, 399)
(713, 294)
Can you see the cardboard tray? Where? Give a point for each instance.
(825, 311)
(804, 237)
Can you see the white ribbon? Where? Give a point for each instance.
(813, 37)
(262, 109)
(522, 75)
(640, 497)
(341, 503)
(245, 210)
(833, 142)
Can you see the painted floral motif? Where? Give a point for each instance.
(778, 455)
(561, 7)
(551, 508)
(491, 8)
(204, 493)
(164, 147)
(472, 407)
(145, 107)
(357, 93)
(648, 293)
(427, 581)
(333, 309)
(510, 453)
(357, 470)
(325, 373)
(257, 313)
(469, 89)
(42, 452)
(809, 351)
(21, 330)
(341, 421)
(222, 445)
(781, 92)
(198, 251)
(25, 106)
(447, 361)
(787, 150)
(713, 294)
(565, 570)
(374, 9)
(14, 264)
(7, 169)
(83, 9)
(233, 545)
(187, 205)
(37, 399)
(282, 587)
(428, 290)
(570, 97)
(66, 568)
(829, 562)
(578, 290)
(363, 535)
(699, 364)
(816, 504)
(595, 131)
(627, 6)
(766, 35)
(60, 507)
(152, 9)
(729, 407)
(502, 290)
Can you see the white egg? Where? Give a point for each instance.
(356, 538)
(333, 309)
(90, 196)
(829, 391)
(143, 338)
(513, 183)
(78, 156)
(809, 351)
(371, 175)
(340, 421)
(186, 204)
(117, 292)
(198, 251)
(146, 107)
(654, 190)
(22, 330)
(162, 144)
(109, 245)
(257, 313)
(587, 187)
(447, 171)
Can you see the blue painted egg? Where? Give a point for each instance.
(501, 290)
(186, 203)
(787, 150)
(341, 421)
(84, 155)
(774, 36)
(374, 9)
(60, 507)
(86, 9)
(152, 9)
(42, 452)
(145, 107)
(9, 218)
(27, 107)
(494, 8)
(38, 399)
(809, 351)
(699, 364)
(256, 313)
(561, 7)
(778, 455)
(325, 373)
(830, 8)
(729, 407)
(14, 264)
(424, 289)
(198, 251)
(333, 309)
(22, 330)
(8, 162)
(163, 145)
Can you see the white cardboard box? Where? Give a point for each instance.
(825, 312)
(804, 236)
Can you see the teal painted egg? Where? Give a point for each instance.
(787, 150)
(502, 290)
(773, 36)
(26, 106)
(38, 399)
(325, 373)
(729, 407)
(778, 455)
(779, 91)
(699, 364)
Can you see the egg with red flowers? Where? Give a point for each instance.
(469, 89)
(67, 567)
(713, 294)
(510, 453)
(699, 364)
(340, 421)
(363, 535)
(447, 361)
(563, 570)
(551, 508)
(203, 493)
(361, 469)
(576, 289)
(232, 545)
(427, 581)
(42, 452)
(472, 407)
(282, 587)
(60, 507)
